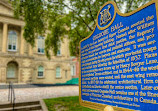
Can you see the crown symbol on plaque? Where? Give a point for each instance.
(105, 16)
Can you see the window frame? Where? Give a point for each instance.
(59, 43)
(39, 71)
(12, 50)
(40, 38)
(73, 70)
(13, 67)
(59, 71)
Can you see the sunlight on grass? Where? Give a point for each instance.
(65, 104)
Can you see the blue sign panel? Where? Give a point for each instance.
(119, 60)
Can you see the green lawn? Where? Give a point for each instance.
(65, 104)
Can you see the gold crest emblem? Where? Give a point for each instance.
(105, 16)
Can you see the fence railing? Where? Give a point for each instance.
(11, 94)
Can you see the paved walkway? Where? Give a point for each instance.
(33, 94)
(5, 86)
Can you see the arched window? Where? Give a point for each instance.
(40, 71)
(11, 70)
(12, 41)
(58, 72)
(41, 44)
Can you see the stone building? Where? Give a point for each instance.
(20, 63)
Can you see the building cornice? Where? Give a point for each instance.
(9, 16)
(4, 18)
(6, 4)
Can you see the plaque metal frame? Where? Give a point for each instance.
(98, 106)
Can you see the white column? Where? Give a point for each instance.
(5, 33)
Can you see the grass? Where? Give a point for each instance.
(65, 104)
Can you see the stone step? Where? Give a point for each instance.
(8, 105)
(24, 108)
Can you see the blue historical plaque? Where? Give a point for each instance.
(119, 60)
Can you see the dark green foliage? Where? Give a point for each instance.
(75, 18)
(34, 17)
(56, 29)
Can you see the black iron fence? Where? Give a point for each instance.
(11, 94)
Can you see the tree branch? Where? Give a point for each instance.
(91, 13)
(78, 33)
(77, 14)
(144, 2)
(115, 1)
(130, 5)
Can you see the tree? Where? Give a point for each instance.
(75, 18)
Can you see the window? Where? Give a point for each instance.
(41, 44)
(58, 52)
(58, 72)
(73, 70)
(65, 73)
(40, 71)
(11, 69)
(12, 41)
(59, 49)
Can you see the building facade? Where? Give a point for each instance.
(20, 63)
